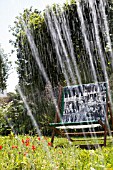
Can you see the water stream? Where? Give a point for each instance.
(61, 35)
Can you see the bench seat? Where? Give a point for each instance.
(82, 124)
(78, 126)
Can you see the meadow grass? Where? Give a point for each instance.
(35, 153)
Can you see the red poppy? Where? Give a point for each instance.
(33, 147)
(49, 144)
(14, 146)
(38, 138)
(27, 140)
(0, 147)
(27, 144)
(23, 141)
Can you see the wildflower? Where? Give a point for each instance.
(0, 147)
(23, 141)
(38, 138)
(49, 144)
(14, 147)
(33, 147)
(27, 140)
(27, 143)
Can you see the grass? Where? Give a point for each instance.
(33, 153)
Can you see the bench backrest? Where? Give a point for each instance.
(81, 103)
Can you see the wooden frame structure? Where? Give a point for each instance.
(58, 124)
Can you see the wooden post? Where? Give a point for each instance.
(105, 135)
(52, 137)
(105, 130)
(110, 109)
(105, 125)
(110, 106)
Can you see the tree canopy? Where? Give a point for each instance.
(67, 20)
(3, 69)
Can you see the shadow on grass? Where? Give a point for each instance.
(87, 144)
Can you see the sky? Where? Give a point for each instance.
(9, 9)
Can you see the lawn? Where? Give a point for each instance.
(35, 153)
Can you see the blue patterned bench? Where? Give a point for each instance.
(81, 106)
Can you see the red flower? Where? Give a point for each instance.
(27, 140)
(23, 141)
(0, 147)
(27, 143)
(33, 147)
(49, 144)
(38, 138)
(14, 146)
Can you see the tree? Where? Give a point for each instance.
(28, 70)
(3, 69)
(14, 116)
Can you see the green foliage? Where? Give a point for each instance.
(14, 116)
(3, 69)
(28, 71)
(11, 116)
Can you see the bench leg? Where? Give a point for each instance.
(105, 135)
(52, 137)
(60, 133)
(105, 131)
(53, 134)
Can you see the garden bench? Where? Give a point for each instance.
(80, 107)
